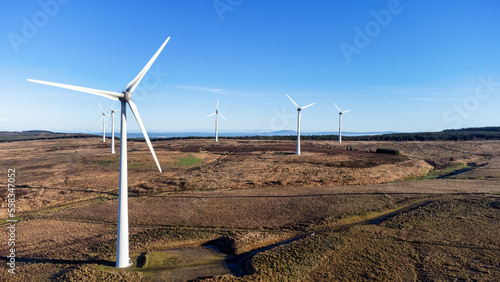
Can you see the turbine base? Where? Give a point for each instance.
(130, 263)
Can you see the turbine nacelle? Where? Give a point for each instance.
(127, 96)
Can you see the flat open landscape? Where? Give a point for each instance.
(254, 211)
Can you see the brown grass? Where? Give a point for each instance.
(426, 244)
(67, 189)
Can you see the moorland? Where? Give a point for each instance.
(253, 210)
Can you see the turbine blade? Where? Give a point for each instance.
(108, 94)
(101, 108)
(133, 84)
(308, 106)
(293, 101)
(337, 107)
(99, 120)
(4, 119)
(210, 115)
(217, 104)
(223, 116)
(133, 107)
(109, 107)
(345, 111)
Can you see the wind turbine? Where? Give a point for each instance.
(340, 121)
(112, 130)
(299, 109)
(217, 121)
(103, 118)
(122, 249)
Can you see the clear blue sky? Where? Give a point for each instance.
(398, 65)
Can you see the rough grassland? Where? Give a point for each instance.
(426, 244)
(67, 207)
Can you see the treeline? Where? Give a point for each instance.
(39, 135)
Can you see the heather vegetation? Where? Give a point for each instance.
(251, 210)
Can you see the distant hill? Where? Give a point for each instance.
(11, 136)
(476, 133)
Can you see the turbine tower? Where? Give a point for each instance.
(122, 249)
(217, 121)
(340, 122)
(112, 130)
(103, 118)
(299, 109)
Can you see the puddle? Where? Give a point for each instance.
(182, 264)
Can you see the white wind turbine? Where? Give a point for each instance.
(122, 250)
(217, 121)
(112, 130)
(103, 118)
(299, 109)
(340, 122)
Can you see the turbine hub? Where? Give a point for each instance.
(127, 96)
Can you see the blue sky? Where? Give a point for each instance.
(398, 65)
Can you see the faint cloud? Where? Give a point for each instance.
(201, 88)
(420, 99)
(418, 91)
(453, 99)
(469, 105)
(69, 95)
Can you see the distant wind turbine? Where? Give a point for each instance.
(112, 130)
(122, 249)
(299, 109)
(340, 121)
(217, 121)
(103, 118)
